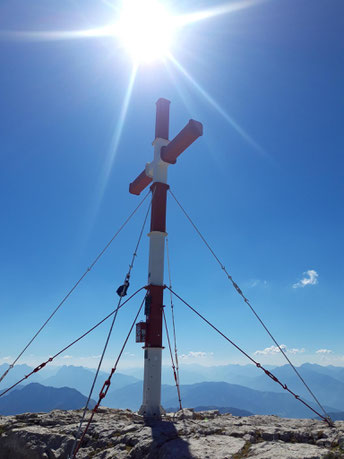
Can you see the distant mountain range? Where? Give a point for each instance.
(219, 394)
(241, 387)
(18, 372)
(35, 398)
(328, 385)
(79, 378)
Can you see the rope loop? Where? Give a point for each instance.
(42, 365)
(236, 286)
(274, 378)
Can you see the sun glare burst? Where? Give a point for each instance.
(145, 29)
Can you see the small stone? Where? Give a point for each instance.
(185, 413)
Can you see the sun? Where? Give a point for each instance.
(145, 29)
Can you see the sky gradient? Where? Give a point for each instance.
(264, 184)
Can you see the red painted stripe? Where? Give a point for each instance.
(154, 318)
(182, 141)
(162, 118)
(158, 215)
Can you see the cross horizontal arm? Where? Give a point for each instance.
(182, 141)
(140, 183)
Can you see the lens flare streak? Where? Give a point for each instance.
(230, 7)
(215, 105)
(119, 127)
(55, 35)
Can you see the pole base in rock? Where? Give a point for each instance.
(153, 413)
(151, 405)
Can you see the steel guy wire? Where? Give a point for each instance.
(235, 285)
(326, 418)
(173, 365)
(172, 309)
(107, 383)
(74, 287)
(126, 279)
(43, 364)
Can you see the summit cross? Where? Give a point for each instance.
(166, 152)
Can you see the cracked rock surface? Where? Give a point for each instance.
(123, 434)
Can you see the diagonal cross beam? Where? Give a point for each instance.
(165, 153)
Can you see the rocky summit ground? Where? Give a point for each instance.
(123, 434)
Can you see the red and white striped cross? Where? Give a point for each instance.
(169, 152)
(165, 153)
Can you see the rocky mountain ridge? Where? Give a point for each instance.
(37, 398)
(123, 434)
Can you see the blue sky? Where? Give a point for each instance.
(267, 195)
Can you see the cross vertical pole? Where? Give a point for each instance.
(165, 153)
(151, 405)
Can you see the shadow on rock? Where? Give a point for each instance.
(166, 442)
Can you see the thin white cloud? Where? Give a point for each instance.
(296, 351)
(195, 355)
(272, 350)
(323, 351)
(67, 356)
(257, 283)
(310, 278)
